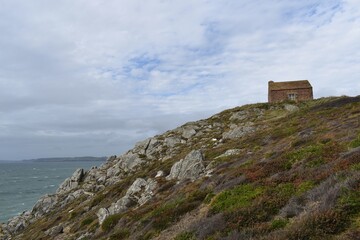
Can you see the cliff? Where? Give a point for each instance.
(261, 171)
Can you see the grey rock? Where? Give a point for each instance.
(240, 115)
(44, 205)
(238, 132)
(141, 147)
(72, 196)
(102, 214)
(229, 152)
(172, 141)
(291, 108)
(191, 167)
(188, 132)
(54, 231)
(159, 174)
(155, 146)
(138, 194)
(121, 205)
(16, 224)
(129, 161)
(85, 236)
(95, 174)
(141, 190)
(72, 182)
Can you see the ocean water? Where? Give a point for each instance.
(23, 183)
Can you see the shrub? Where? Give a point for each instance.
(355, 143)
(120, 234)
(87, 221)
(349, 201)
(166, 214)
(237, 197)
(319, 226)
(278, 223)
(312, 151)
(185, 236)
(304, 186)
(98, 199)
(110, 222)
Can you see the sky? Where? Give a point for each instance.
(91, 77)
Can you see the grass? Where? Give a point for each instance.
(355, 143)
(238, 197)
(185, 236)
(278, 223)
(110, 222)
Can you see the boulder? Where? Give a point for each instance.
(129, 161)
(291, 108)
(138, 194)
(238, 132)
(191, 167)
(72, 182)
(172, 141)
(188, 132)
(54, 231)
(229, 152)
(240, 115)
(16, 224)
(142, 191)
(44, 205)
(159, 174)
(102, 214)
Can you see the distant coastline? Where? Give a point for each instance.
(67, 159)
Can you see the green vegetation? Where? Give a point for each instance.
(120, 234)
(185, 236)
(110, 222)
(278, 223)
(355, 143)
(304, 186)
(87, 221)
(238, 197)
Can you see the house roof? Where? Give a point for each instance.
(289, 85)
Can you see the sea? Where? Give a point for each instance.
(22, 183)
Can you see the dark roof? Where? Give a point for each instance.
(289, 85)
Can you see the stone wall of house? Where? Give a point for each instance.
(282, 95)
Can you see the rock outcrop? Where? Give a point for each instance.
(191, 167)
(138, 194)
(72, 182)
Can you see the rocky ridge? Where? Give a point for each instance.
(215, 155)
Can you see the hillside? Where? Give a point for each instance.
(261, 171)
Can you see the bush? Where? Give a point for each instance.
(355, 143)
(120, 234)
(87, 221)
(278, 223)
(235, 198)
(304, 187)
(319, 226)
(185, 236)
(110, 222)
(97, 200)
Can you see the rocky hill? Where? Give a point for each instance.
(261, 171)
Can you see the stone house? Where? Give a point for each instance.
(292, 90)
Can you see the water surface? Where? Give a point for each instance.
(23, 183)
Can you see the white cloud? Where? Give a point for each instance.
(92, 77)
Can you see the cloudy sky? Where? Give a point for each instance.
(92, 77)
